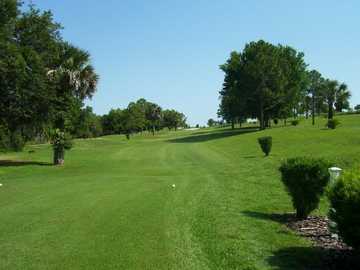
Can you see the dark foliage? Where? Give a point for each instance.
(332, 123)
(344, 197)
(305, 180)
(265, 144)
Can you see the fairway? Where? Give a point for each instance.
(112, 206)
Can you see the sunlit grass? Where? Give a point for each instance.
(113, 205)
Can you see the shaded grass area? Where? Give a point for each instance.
(112, 205)
(16, 163)
(205, 136)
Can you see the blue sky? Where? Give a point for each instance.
(169, 52)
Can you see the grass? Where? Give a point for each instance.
(112, 205)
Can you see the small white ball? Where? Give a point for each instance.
(0, 185)
(173, 185)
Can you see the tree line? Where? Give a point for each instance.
(267, 81)
(140, 116)
(44, 81)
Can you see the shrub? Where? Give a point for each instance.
(344, 197)
(276, 121)
(295, 122)
(332, 123)
(305, 180)
(265, 144)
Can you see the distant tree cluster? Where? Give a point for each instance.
(267, 81)
(141, 116)
(212, 123)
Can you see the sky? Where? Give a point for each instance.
(169, 51)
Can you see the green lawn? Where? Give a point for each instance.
(112, 205)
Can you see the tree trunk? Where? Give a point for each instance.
(232, 124)
(153, 130)
(300, 214)
(262, 121)
(59, 154)
(330, 111)
(313, 109)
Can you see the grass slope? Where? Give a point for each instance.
(112, 206)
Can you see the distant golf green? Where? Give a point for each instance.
(113, 205)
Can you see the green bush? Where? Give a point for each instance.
(344, 197)
(276, 121)
(305, 180)
(295, 122)
(265, 144)
(332, 123)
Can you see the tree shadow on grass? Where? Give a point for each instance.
(306, 258)
(280, 218)
(212, 135)
(314, 258)
(220, 130)
(19, 163)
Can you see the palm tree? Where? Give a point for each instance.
(75, 75)
(153, 114)
(329, 90)
(74, 80)
(342, 98)
(336, 94)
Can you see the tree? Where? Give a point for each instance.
(88, 124)
(263, 81)
(342, 97)
(153, 115)
(335, 94)
(113, 122)
(314, 89)
(211, 122)
(26, 95)
(74, 78)
(357, 107)
(232, 105)
(173, 119)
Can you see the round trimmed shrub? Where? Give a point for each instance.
(332, 123)
(305, 180)
(295, 122)
(265, 144)
(344, 198)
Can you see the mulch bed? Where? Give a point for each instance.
(337, 255)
